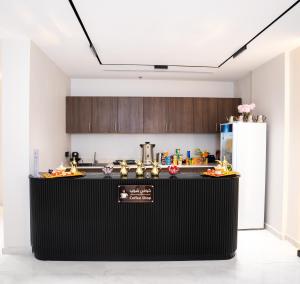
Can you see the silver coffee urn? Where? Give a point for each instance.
(147, 153)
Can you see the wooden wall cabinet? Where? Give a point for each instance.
(227, 107)
(205, 115)
(78, 114)
(210, 112)
(155, 114)
(180, 115)
(104, 115)
(130, 115)
(148, 114)
(168, 115)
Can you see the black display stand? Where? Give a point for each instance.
(190, 218)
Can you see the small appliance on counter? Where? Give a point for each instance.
(128, 162)
(147, 153)
(211, 159)
(75, 155)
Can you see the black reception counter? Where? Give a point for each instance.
(187, 217)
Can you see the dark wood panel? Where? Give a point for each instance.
(205, 115)
(78, 114)
(180, 115)
(227, 107)
(104, 114)
(130, 115)
(155, 114)
(148, 114)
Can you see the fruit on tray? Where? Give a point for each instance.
(62, 171)
(216, 173)
(223, 166)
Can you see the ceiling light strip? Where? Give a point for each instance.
(157, 71)
(92, 47)
(235, 54)
(244, 47)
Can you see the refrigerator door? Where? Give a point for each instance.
(226, 142)
(249, 159)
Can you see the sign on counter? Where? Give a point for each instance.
(136, 193)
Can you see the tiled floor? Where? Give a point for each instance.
(261, 258)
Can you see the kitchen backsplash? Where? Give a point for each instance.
(110, 147)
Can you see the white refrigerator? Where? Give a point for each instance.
(244, 146)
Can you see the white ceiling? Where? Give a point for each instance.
(190, 32)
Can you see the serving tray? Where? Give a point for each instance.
(78, 174)
(228, 174)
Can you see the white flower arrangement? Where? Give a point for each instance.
(246, 109)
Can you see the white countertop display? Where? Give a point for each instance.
(149, 167)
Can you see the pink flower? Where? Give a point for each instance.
(240, 107)
(252, 106)
(246, 108)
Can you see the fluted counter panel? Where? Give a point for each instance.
(81, 219)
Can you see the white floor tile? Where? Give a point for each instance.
(261, 258)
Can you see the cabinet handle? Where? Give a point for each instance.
(89, 127)
(216, 127)
(115, 127)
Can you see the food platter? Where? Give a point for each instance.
(63, 175)
(212, 173)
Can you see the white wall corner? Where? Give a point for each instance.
(275, 232)
(243, 88)
(15, 141)
(286, 154)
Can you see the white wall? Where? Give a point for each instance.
(49, 87)
(33, 116)
(110, 147)
(243, 89)
(15, 141)
(1, 186)
(293, 154)
(150, 88)
(275, 88)
(268, 93)
(117, 146)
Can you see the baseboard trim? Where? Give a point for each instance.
(275, 232)
(17, 250)
(281, 236)
(293, 241)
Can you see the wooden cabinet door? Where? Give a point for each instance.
(78, 114)
(227, 107)
(104, 114)
(130, 115)
(205, 115)
(180, 115)
(155, 114)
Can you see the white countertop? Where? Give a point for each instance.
(149, 167)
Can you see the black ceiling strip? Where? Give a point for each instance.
(152, 65)
(235, 54)
(269, 25)
(264, 29)
(242, 49)
(96, 54)
(85, 32)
